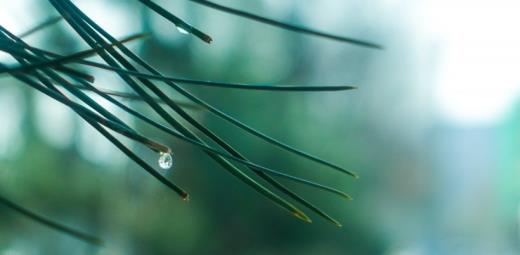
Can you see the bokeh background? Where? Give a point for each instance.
(432, 130)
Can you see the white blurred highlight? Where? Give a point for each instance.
(478, 76)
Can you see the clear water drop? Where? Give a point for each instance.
(165, 160)
(182, 30)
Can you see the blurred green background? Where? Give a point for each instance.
(432, 131)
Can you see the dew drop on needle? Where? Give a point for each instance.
(182, 30)
(165, 160)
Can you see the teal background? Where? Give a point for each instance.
(430, 184)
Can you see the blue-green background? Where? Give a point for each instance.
(430, 183)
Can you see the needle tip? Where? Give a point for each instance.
(302, 216)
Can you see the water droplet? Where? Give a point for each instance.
(182, 30)
(165, 160)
